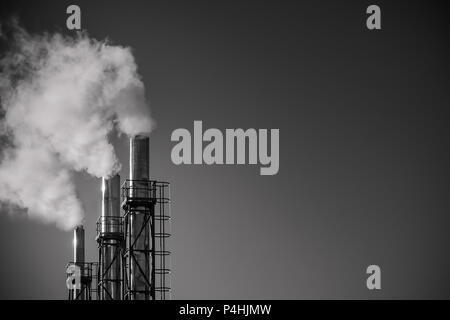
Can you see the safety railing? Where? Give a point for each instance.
(109, 227)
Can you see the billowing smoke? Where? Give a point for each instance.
(61, 96)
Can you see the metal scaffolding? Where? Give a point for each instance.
(110, 246)
(133, 260)
(88, 281)
(146, 205)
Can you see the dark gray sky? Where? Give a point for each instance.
(363, 147)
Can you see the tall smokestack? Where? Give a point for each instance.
(139, 176)
(111, 233)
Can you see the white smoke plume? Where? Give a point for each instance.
(61, 96)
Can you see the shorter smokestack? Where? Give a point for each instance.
(78, 259)
(78, 244)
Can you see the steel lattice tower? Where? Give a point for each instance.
(146, 218)
(144, 202)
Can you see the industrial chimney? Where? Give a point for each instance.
(133, 259)
(139, 242)
(78, 245)
(139, 158)
(78, 259)
(109, 238)
(146, 215)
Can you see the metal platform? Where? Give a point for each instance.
(88, 280)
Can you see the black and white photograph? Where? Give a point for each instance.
(224, 151)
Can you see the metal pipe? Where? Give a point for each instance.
(110, 203)
(139, 165)
(78, 245)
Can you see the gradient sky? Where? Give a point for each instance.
(363, 148)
